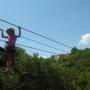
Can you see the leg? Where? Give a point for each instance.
(11, 63)
(10, 54)
(8, 61)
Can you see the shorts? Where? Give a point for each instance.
(11, 50)
(2, 49)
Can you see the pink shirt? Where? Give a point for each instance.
(11, 40)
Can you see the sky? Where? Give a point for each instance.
(66, 21)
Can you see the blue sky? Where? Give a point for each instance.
(63, 20)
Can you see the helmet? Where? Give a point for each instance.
(10, 30)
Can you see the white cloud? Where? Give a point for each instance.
(85, 39)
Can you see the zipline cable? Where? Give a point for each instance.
(38, 49)
(34, 48)
(37, 34)
(43, 44)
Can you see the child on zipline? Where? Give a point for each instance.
(10, 47)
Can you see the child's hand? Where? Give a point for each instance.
(19, 27)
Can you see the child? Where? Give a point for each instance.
(10, 47)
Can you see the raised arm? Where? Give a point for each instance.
(3, 34)
(19, 35)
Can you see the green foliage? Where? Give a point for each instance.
(62, 72)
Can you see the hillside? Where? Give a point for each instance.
(67, 72)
